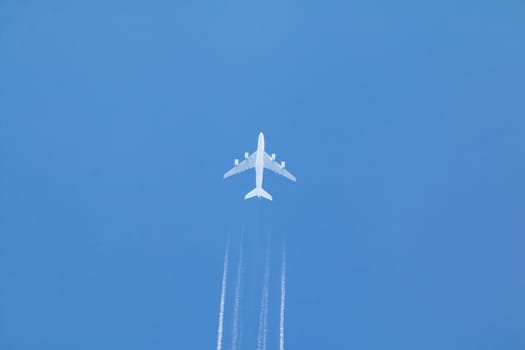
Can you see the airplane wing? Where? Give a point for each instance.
(246, 164)
(272, 165)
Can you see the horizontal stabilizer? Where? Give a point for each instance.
(258, 192)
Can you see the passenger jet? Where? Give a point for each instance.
(259, 160)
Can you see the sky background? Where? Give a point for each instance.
(403, 121)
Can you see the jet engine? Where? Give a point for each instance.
(236, 162)
(273, 156)
(246, 155)
(283, 164)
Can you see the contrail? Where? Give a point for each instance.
(263, 316)
(223, 296)
(236, 306)
(283, 299)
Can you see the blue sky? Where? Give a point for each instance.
(403, 121)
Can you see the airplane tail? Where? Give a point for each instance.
(259, 192)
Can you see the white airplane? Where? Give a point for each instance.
(259, 160)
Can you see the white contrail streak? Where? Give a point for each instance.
(223, 297)
(236, 306)
(283, 300)
(263, 316)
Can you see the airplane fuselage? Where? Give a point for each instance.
(259, 162)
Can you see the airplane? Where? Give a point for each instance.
(259, 160)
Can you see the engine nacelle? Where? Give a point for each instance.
(236, 162)
(273, 156)
(283, 164)
(246, 155)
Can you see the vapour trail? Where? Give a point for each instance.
(223, 297)
(263, 316)
(265, 332)
(237, 303)
(283, 300)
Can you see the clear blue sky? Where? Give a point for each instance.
(404, 122)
